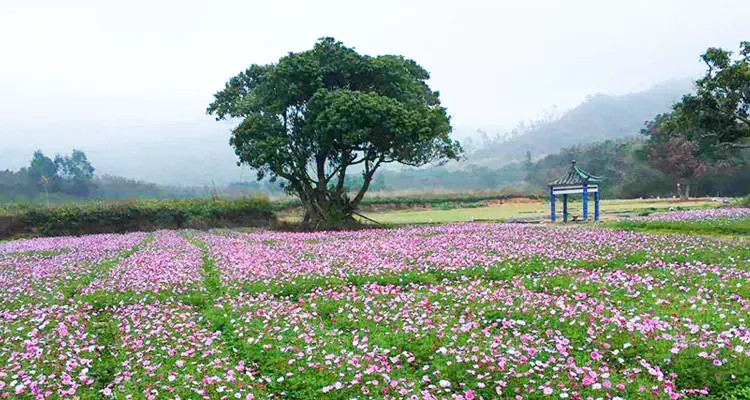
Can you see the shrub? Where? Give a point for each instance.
(129, 216)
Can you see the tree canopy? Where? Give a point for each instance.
(42, 168)
(313, 115)
(75, 167)
(706, 129)
(715, 118)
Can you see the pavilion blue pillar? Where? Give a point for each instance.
(552, 204)
(565, 208)
(596, 204)
(585, 202)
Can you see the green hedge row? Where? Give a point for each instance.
(131, 216)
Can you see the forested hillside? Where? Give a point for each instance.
(622, 164)
(603, 130)
(600, 117)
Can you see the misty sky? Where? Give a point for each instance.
(78, 71)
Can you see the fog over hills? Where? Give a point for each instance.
(180, 153)
(129, 82)
(198, 153)
(600, 117)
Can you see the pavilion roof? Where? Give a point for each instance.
(575, 176)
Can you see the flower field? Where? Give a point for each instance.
(465, 311)
(702, 215)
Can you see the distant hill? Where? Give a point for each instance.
(600, 117)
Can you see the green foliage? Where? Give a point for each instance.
(106, 217)
(739, 393)
(717, 117)
(624, 174)
(42, 167)
(106, 332)
(734, 227)
(66, 175)
(705, 130)
(75, 167)
(676, 156)
(314, 114)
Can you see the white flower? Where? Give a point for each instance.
(739, 349)
(444, 383)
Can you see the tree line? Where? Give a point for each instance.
(66, 174)
(66, 178)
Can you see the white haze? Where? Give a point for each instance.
(128, 82)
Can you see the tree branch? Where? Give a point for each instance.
(743, 119)
(367, 179)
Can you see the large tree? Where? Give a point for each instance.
(314, 115)
(716, 117)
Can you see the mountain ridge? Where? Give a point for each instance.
(598, 118)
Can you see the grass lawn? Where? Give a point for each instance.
(532, 210)
(738, 227)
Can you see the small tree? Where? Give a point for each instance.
(77, 171)
(40, 167)
(314, 115)
(75, 167)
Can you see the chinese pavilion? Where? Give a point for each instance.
(575, 181)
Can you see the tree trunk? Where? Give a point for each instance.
(326, 210)
(685, 193)
(367, 178)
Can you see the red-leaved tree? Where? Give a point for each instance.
(678, 157)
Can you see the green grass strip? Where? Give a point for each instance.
(719, 227)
